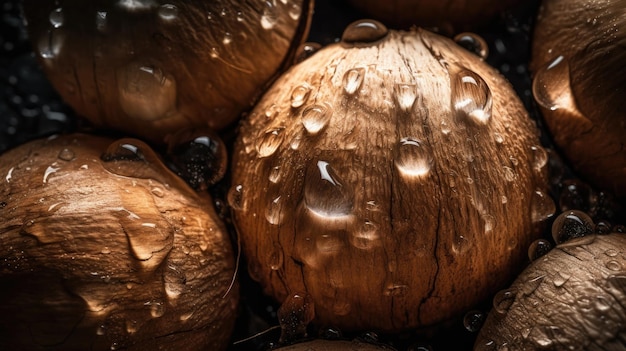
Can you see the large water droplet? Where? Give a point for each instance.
(316, 118)
(471, 97)
(198, 156)
(571, 224)
(325, 193)
(145, 91)
(157, 308)
(473, 43)
(353, 79)
(551, 85)
(56, 17)
(364, 31)
(412, 158)
(66, 154)
(269, 141)
(270, 15)
(542, 206)
(405, 94)
(294, 315)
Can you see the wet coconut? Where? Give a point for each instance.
(572, 298)
(579, 84)
(103, 248)
(150, 67)
(393, 179)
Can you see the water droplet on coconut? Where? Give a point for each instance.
(353, 79)
(294, 11)
(542, 206)
(235, 197)
(299, 95)
(471, 97)
(274, 212)
(365, 236)
(269, 141)
(275, 257)
(157, 309)
(540, 157)
(531, 285)
(56, 17)
(364, 31)
(316, 118)
(325, 193)
(538, 248)
(168, 12)
(614, 266)
(412, 158)
(473, 320)
(405, 94)
(198, 156)
(306, 50)
(571, 224)
(174, 280)
(66, 154)
(294, 315)
(503, 301)
(145, 91)
(473, 43)
(227, 39)
(551, 82)
(560, 278)
(270, 15)
(618, 281)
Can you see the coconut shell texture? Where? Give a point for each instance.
(394, 177)
(150, 67)
(580, 84)
(573, 298)
(108, 255)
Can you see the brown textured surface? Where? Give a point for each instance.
(93, 260)
(196, 69)
(327, 345)
(443, 241)
(573, 298)
(591, 127)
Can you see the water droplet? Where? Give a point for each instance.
(575, 195)
(460, 245)
(306, 50)
(146, 92)
(131, 326)
(471, 97)
(353, 79)
(168, 12)
(228, 38)
(235, 197)
(540, 157)
(274, 211)
(275, 257)
(275, 175)
(157, 309)
(199, 156)
(56, 17)
(412, 158)
(325, 193)
(299, 95)
(551, 84)
(560, 278)
(101, 330)
(101, 21)
(571, 224)
(395, 289)
(269, 141)
(174, 280)
(316, 118)
(614, 265)
(499, 138)
(364, 31)
(365, 236)
(49, 171)
(66, 154)
(294, 315)
(473, 43)
(445, 128)
(405, 94)
(538, 248)
(542, 206)
(603, 227)
(618, 281)
(509, 173)
(294, 11)
(473, 320)
(270, 15)
(503, 301)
